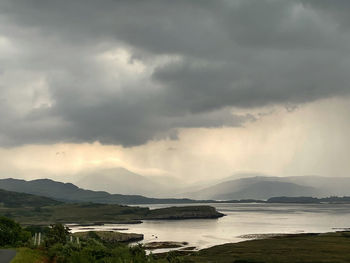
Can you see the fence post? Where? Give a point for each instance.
(39, 239)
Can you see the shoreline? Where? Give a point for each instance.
(331, 247)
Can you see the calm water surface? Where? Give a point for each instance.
(240, 219)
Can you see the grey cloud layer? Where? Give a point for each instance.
(216, 55)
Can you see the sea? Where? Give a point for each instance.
(241, 222)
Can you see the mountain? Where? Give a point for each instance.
(310, 200)
(71, 193)
(327, 186)
(118, 181)
(257, 187)
(122, 181)
(14, 199)
(265, 190)
(245, 175)
(253, 188)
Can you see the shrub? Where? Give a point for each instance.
(11, 233)
(57, 233)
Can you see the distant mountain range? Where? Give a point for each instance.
(248, 186)
(123, 181)
(118, 181)
(252, 188)
(68, 192)
(264, 187)
(115, 186)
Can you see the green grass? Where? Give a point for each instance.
(14, 199)
(27, 255)
(74, 213)
(301, 248)
(330, 248)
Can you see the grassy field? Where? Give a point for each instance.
(27, 255)
(14, 199)
(303, 248)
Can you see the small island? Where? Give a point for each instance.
(30, 209)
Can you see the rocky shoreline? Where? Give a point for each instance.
(164, 244)
(111, 236)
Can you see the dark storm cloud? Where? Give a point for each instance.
(216, 55)
(337, 10)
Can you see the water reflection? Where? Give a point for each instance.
(240, 220)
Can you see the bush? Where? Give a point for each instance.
(57, 233)
(11, 233)
(93, 250)
(96, 249)
(173, 258)
(81, 257)
(61, 253)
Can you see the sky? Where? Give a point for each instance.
(197, 90)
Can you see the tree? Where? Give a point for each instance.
(11, 233)
(57, 233)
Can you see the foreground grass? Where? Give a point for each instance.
(27, 255)
(305, 248)
(329, 247)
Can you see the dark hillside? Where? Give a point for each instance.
(14, 199)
